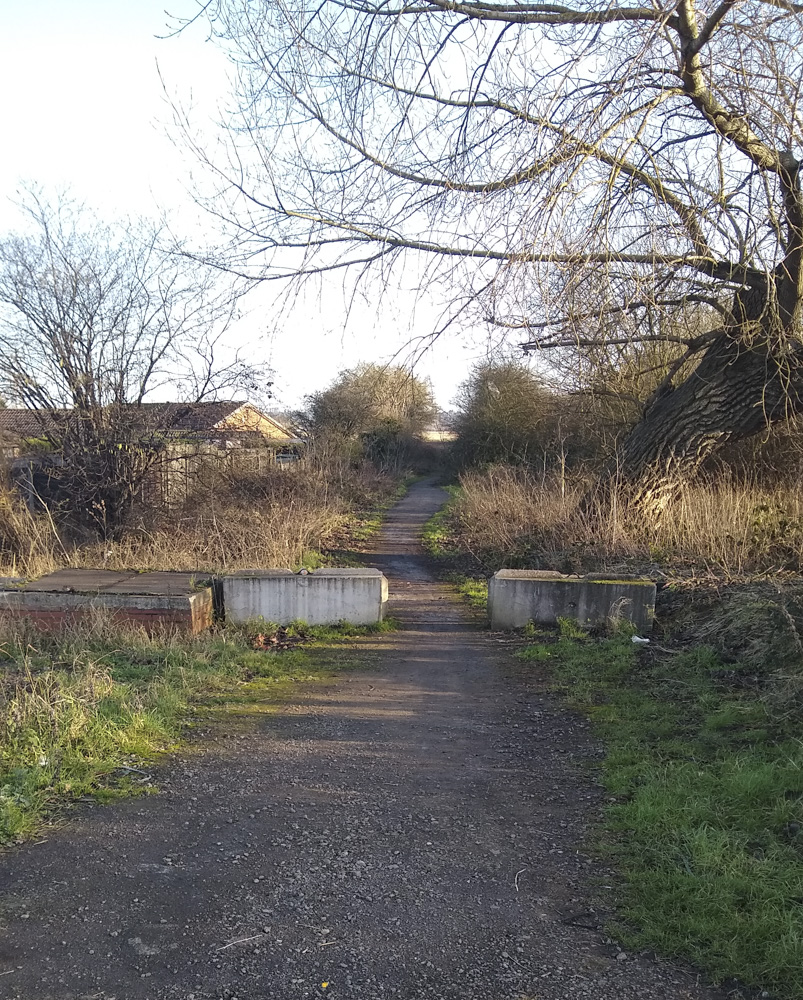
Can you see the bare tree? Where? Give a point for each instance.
(95, 318)
(534, 151)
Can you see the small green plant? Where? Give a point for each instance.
(473, 591)
(569, 628)
(438, 535)
(312, 559)
(537, 652)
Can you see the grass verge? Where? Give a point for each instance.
(437, 536)
(84, 712)
(438, 540)
(705, 822)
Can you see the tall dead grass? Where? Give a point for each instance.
(29, 544)
(507, 515)
(229, 537)
(274, 518)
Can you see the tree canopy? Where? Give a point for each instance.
(503, 414)
(370, 397)
(571, 168)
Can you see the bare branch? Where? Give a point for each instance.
(518, 14)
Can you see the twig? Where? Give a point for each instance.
(516, 879)
(231, 944)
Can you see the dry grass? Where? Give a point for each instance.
(505, 515)
(29, 544)
(223, 537)
(728, 557)
(277, 518)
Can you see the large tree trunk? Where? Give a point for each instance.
(750, 376)
(734, 392)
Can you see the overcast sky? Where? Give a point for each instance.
(84, 108)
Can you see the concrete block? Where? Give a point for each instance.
(320, 598)
(516, 597)
(152, 600)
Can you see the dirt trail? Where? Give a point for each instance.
(414, 832)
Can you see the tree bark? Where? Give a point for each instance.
(750, 377)
(735, 392)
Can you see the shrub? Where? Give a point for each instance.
(232, 521)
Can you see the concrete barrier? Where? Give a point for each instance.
(148, 599)
(320, 598)
(516, 597)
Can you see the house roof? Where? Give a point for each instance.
(190, 416)
(173, 418)
(22, 423)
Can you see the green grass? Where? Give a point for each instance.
(439, 541)
(80, 710)
(437, 536)
(472, 590)
(706, 822)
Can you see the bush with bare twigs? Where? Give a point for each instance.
(274, 518)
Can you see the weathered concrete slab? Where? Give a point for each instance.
(320, 598)
(82, 581)
(159, 584)
(149, 599)
(516, 597)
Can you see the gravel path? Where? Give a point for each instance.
(413, 832)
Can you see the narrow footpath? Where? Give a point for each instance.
(414, 831)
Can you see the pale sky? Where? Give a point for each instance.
(83, 108)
